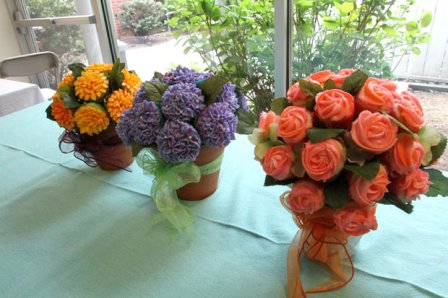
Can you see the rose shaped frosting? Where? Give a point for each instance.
(293, 124)
(297, 96)
(323, 160)
(376, 95)
(321, 76)
(407, 110)
(340, 77)
(278, 162)
(409, 187)
(406, 156)
(365, 192)
(374, 132)
(335, 108)
(266, 119)
(356, 221)
(306, 196)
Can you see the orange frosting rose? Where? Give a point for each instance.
(406, 156)
(321, 76)
(356, 221)
(339, 78)
(293, 124)
(365, 192)
(410, 186)
(407, 110)
(266, 119)
(297, 96)
(278, 162)
(306, 196)
(376, 95)
(323, 160)
(374, 132)
(335, 108)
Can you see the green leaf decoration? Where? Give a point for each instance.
(155, 90)
(368, 171)
(336, 193)
(438, 150)
(136, 149)
(77, 69)
(67, 94)
(329, 84)
(309, 87)
(278, 105)
(354, 82)
(355, 154)
(212, 87)
(319, 134)
(247, 121)
(49, 111)
(270, 181)
(389, 199)
(439, 184)
(426, 19)
(116, 76)
(401, 125)
(158, 75)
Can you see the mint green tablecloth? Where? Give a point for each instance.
(70, 230)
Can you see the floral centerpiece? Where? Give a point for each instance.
(178, 127)
(88, 104)
(344, 143)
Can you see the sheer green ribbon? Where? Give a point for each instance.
(167, 179)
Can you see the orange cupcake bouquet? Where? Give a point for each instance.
(344, 143)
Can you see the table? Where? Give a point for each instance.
(70, 230)
(16, 95)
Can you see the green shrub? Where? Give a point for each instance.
(142, 17)
(235, 38)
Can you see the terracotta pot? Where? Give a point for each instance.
(208, 183)
(110, 153)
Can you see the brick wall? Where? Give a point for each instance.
(116, 8)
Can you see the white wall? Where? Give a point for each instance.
(9, 45)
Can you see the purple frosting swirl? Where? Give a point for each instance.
(148, 122)
(124, 128)
(184, 75)
(217, 125)
(182, 102)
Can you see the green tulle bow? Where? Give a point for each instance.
(170, 177)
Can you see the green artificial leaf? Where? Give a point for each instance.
(336, 192)
(67, 94)
(309, 87)
(136, 149)
(247, 121)
(412, 27)
(319, 134)
(212, 87)
(398, 123)
(155, 90)
(368, 171)
(438, 150)
(49, 111)
(426, 19)
(329, 84)
(158, 75)
(389, 199)
(270, 181)
(77, 69)
(354, 82)
(278, 105)
(416, 50)
(355, 154)
(116, 76)
(439, 184)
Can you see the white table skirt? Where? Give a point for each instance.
(16, 95)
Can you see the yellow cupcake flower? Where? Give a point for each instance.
(62, 115)
(67, 80)
(99, 67)
(118, 102)
(91, 118)
(91, 85)
(131, 82)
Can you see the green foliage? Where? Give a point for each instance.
(317, 135)
(235, 38)
(59, 39)
(142, 17)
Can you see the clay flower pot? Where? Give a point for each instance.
(208, 183)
